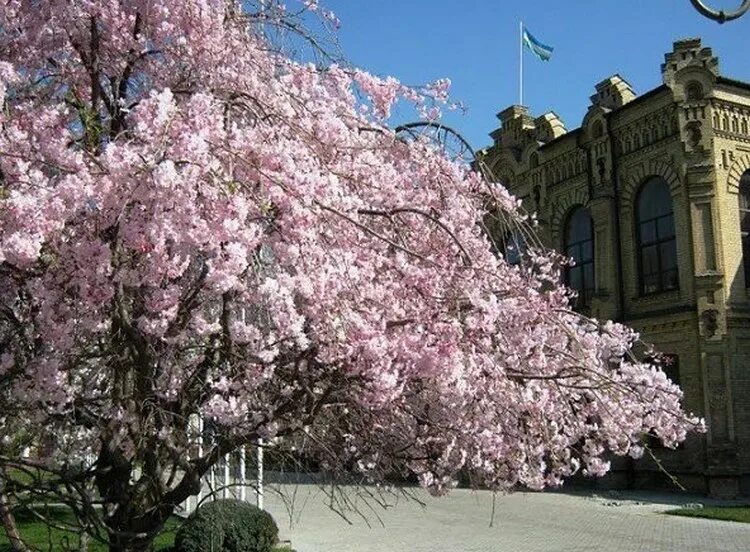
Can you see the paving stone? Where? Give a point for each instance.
(523, 522)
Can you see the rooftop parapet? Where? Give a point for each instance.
(688, 52)
(548, 127)
(613, 92)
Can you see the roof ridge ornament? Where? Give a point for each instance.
(720, 15)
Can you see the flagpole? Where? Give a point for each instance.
(520, 63)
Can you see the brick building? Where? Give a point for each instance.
(651, 196)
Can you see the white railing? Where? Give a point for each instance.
(228, 479)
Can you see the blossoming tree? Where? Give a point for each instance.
(193, 223)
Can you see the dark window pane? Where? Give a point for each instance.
(579, 226)
(579, 246)
(656, 236)
(649, 260)
(665, 227)
(650, 283)
(669, 279)
(746, 258)
(745, 221)
(745, 195)
(575, 275)
(648, 232)
(744, 198)
(587, 251)
(668, 251)
(580, 258)
(654, 199)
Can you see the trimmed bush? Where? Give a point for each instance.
(227, 526)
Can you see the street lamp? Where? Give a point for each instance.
(720, 15)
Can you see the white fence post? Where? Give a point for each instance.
(194, 431)
(243, 491)
(212, 482)
(227, 477)
(200, 453)
(259, 481)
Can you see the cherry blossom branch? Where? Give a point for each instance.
(396, 210)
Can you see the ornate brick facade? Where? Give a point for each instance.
(692, 133)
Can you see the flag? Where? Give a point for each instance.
(539, 49)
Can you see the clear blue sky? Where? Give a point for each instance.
(475, 44)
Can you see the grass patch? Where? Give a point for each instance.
(27, 476)
(724, 513)
(40, 537)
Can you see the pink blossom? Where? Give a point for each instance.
(236, 234)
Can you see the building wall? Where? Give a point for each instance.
(692, 131)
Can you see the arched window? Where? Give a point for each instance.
(579, 245)
(534, 160)
(745, 223)
(657, 248)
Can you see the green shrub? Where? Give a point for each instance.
(227, 526)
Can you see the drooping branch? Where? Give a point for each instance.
(396, 210)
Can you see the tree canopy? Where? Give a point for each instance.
(192, 222)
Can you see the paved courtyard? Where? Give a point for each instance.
(548, 522)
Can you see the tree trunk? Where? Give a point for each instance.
(140, 507)
(119, 542)
(83, 542)
(9, 524)
(135, 533)
(131, 547)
